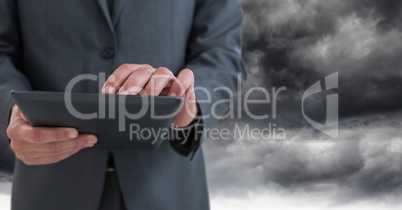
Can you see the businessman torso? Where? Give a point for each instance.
(62, 39)
(56, 40)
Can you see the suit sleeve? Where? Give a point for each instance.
(214, 55)
(11, 78)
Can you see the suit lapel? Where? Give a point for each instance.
(117, 10)
(105, 10)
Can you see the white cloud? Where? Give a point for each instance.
(361, 168)
(5, 189)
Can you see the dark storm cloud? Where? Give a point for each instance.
(363, 162)
(295, 43)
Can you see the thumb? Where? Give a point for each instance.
(23, 116)
(18, 112)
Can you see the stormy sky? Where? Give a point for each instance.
(293, 44)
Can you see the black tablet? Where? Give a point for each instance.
(119, 121)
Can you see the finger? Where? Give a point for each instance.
(53, 158)
(16, 113)
(184, 81)
(20, 129)
(119, 76)
(23, 117)
(188, 111)
(27, 148)
(35, 155)
(160, 79)
(165, 91)
(136, 81)
(190, 104)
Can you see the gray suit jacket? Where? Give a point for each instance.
(45, 43)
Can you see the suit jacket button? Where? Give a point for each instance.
(108, 53)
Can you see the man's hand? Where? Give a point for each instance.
(39, 146)
(134, 79)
